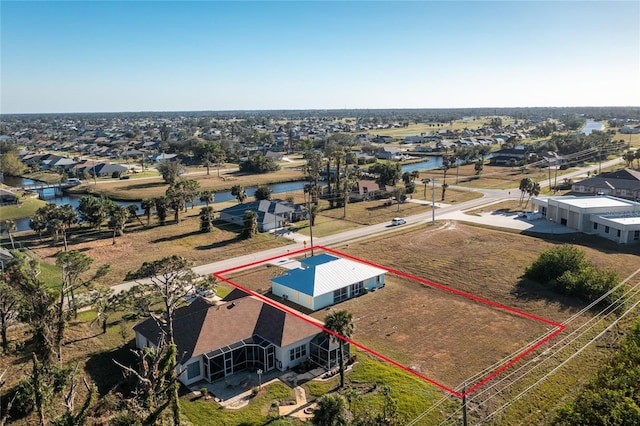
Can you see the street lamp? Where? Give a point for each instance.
(259, 378)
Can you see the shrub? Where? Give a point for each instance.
(24, 402)
(566, 270)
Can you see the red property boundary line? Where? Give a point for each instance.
(558, 327)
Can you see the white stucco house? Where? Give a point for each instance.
(325, 280)
(613, 218)
(241, 333)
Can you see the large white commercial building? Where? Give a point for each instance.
(613, 218)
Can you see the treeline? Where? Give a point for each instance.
(612, 397)
(435, 114)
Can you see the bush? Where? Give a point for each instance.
(567, 271)
(124, 419)
(25, 400)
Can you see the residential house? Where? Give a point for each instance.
(272, 214)
(386, 153)
(366, 190)
(630, 130)
(509, 157)
(241, 333)
(158, 158)
(621, 183)
(609, 217)
(325, 280)
(108, 169)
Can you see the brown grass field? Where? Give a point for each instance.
(443, 336)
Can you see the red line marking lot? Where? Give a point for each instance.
(557, 328)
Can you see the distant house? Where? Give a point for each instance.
(366, 190)
(630, 130)
(325, 280)
(107, 169)
(509, 157)
(272, 214)
(609, 217)
(241, 333)
(387, 153)
(159, 158)
(277, 156)
(7, 197)
(621, 183)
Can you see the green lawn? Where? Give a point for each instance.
(258, 412)
(26, 208)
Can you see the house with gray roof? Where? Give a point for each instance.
(325, 280)
(272, 214)
(620, 183)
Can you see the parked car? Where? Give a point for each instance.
(398, 221)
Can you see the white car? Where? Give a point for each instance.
(398, 221)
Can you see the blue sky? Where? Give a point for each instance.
(82, 56)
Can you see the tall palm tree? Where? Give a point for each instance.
(525, 185)
(533, 191)
(147, 205)
(339, 326)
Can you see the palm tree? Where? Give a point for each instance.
(206, 218)
(525, 185)
(331, 411)
(147, 205)
(9, 226)
(339, 326)
(533, 190)
(250, 224)
(118, 219)
(207, 197)
(444, 189)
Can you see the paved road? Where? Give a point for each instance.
(444, 211)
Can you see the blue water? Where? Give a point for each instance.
(52, 196)
(590, 126)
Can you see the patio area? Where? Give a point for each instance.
(235, 391)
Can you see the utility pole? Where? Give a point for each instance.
(464, 404)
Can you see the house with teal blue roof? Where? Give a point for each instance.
(325, 280)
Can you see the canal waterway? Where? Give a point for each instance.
(592, 125)
(57, 197)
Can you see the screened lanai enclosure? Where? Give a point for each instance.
(257, 353)
(248, 354)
